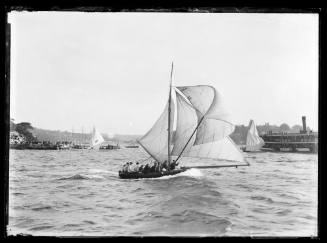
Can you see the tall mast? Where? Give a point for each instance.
(169, 109)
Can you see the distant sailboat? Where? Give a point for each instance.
(202, 131)
(96, 139)
(253, 141)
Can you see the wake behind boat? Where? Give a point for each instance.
(202, 131)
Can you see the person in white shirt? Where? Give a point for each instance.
(123, 167)
(136, 167)
(130, 167)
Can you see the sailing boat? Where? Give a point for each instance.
(202, 131)
(96, 139)
(253, 141)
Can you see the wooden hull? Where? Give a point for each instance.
(139, 175)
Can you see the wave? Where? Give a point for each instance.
(284, 212)
(89, 222)
(95, 177)
(72, 225)
(284, 195)
(42, 208)
(41, 227)
(23, 168)
(262, 198)
(192, 173)
(17, 193)
(111, 172)
(97, 171)
(75, 177)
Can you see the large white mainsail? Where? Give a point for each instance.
(96, 139)
(253, 141)
(155, 141)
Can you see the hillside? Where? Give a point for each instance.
(126, 138)
(238, 136)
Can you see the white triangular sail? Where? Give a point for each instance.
(96, 139)
(155, 141)
(253, 141)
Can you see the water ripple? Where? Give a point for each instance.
(79, 193)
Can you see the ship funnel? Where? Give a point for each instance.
(304, 124)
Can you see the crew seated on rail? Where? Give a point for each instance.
(136, 167)
(125, 167)
(154, 166)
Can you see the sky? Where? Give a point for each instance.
(75, 70)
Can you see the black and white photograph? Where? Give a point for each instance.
(163, 123)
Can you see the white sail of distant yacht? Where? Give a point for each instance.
(96, 139)
(202, 130)
(253, 141)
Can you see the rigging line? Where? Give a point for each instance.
(189, 140)
(187, 129)
(169, 110)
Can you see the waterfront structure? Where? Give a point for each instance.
(304, 141)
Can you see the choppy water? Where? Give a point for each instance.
(73, 193)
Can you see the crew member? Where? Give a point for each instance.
(123, 167)
(165, 165)
(173, 165)
(153, 167)
(126, 167)
(141, 168)
(130, 167)
(146, 169)
(136, 167)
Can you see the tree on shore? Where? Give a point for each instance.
(24, 129)
(284, 127)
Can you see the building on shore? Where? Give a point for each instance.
(16, 138)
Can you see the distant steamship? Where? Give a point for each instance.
(305, 141)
